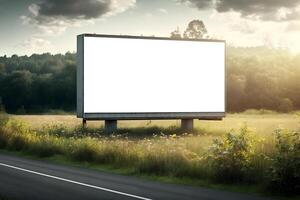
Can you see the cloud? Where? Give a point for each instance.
(293, 27)
(148, 15)
(162, 10)
(243, 27)
(54, 16)
(35, 44)
(266, 10)
(239, 31)
(73, 9)
(201, 4)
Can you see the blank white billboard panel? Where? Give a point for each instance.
(142, 75)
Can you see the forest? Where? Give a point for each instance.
(257, 78)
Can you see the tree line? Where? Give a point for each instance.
(38, 83)
(262, 78)
(257, 78)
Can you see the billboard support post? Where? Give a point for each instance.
(83, 123)
(110, 125)
(187, 124)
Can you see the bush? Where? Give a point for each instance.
(285, 170)
(230, 157)
(236, 157)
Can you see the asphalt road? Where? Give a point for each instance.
(22, 178)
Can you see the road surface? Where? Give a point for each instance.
(22, 178)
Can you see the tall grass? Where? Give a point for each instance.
(238, 156)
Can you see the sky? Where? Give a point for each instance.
(39, 26)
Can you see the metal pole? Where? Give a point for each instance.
(83, 123)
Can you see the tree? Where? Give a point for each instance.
(2, 108)
(176, 34)
(195, 30)
(17, 90)
(236, 92)
(286, 105)
(2, 68)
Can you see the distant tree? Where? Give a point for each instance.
(236, 92)
(21, 110)
(2, 108)
(195, 30)
(257, 78)
(176, 34)
(2, 68)
(17, 90)
(286, 105)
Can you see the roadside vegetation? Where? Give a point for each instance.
(239, 156)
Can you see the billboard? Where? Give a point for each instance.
(128, 77)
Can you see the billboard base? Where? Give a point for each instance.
(110, 125)
(187, 124)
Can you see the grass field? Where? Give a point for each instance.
(261, 124)
(242, 148)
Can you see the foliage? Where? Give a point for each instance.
(262, 78)
(230, 157)
(176, 34)
(257, 78)
(236, 157)
(37, 83)
(195, 30)
(2, 108)
(285, 171)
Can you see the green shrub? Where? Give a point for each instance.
(230, 157)
(285, 170)
(237, 157)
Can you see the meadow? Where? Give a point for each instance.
(261, 122)
(259, 148)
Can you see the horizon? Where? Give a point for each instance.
(227, 46)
